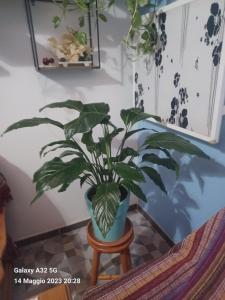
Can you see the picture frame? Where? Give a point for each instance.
(184, 80)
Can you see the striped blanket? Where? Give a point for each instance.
(192, 270)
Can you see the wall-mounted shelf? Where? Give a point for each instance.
(40, 14)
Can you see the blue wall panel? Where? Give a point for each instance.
(195, 196)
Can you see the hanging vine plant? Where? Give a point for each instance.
(142, 35)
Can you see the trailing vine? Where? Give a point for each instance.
(142, 35)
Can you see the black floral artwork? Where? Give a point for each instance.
(213, 25)
(136, 77)
(174, 110)
(136, 98)
(162, 38)
(183, 120)
(176, 79)
(183, 95)
(138, 93)
(175, 105)
(158, 57)
(140, 89)
(196, 63)
(141, 105)
(216, 54)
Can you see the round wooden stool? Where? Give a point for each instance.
(121, 246)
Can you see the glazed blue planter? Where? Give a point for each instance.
(117, 229)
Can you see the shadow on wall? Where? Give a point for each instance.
(199, 179)
(3, 72)
(43, 212)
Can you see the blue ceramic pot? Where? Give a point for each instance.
(117, 229)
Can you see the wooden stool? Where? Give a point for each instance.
(121, 246)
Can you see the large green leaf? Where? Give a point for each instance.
(137, 19)
(134, 115)
(56, 172)
(90, 116)
(71, 104)
(172, 141)
(134, 188)
(155, 177)
(127, 172)
(127, 152)
(60, 144)
(69, 153)
(105, 205)
(88, 140)
(33, 122)
(166, 152)
(169, 163)
(130, 133)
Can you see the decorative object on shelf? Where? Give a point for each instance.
(184, 82)
(109, 168)
(66, 45)
(71, 48)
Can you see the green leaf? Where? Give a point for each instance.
(56, 172)
(134, 188)
(71, 104)
(130, 133)
(105, 205)
(145, 35)
(172, 141)
(155, 177)
(81, 36)
(134, 115)
(136, 21)
(32, 122)
(84, 178)
(127, 172)
(166, 152)
(131, 5)
(82, 5)
(90, 116)
(61, 144)
(126, 152)
(102, 17)
(169, 163)
(68, 153)
(56, 20)
(91, 146)
(81, 21)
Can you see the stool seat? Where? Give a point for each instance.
(120, 246)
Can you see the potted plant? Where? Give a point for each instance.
(111, 175)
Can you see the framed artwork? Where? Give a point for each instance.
(183, 82)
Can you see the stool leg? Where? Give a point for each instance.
(129, 263)
(124, 261)
(95, 265)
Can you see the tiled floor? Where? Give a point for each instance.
(72, 257)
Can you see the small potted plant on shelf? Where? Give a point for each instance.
(72, 48)
(111, 174)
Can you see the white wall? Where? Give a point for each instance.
(23, 91)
